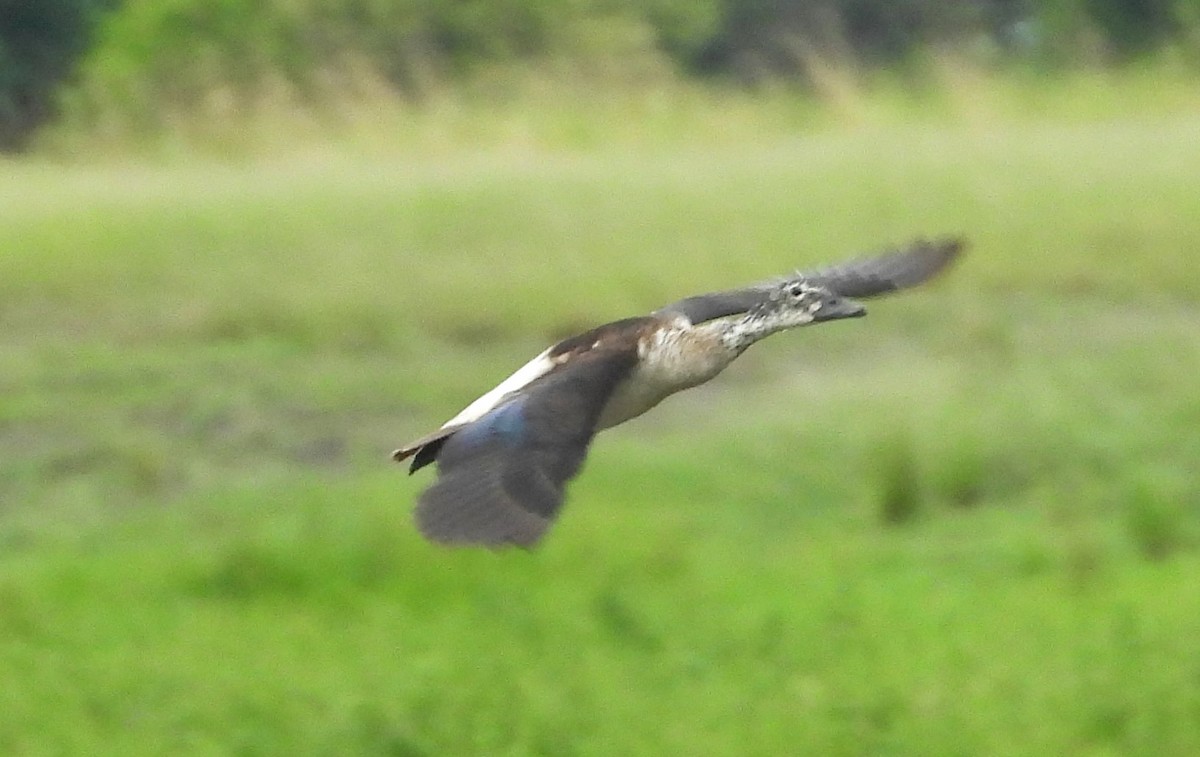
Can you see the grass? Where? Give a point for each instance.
(203, 366)
(632, 99)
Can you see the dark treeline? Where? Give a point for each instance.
(44, 44)
(40, 43)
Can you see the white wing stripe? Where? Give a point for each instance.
(526, 374)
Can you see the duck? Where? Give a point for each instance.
(504, 461)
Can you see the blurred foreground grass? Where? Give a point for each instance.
(967, 524)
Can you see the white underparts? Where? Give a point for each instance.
(670, 360)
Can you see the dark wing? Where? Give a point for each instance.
(707, 307)
(501, 479)
(862, 278)
(898, 269)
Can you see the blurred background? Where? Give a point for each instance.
(247, 248)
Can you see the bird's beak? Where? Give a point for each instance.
(839, 307)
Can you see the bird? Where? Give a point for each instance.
(504, 462)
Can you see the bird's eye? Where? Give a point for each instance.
(795, 290)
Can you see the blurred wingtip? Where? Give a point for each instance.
(463, 521)
(951, 246)
(931, 258)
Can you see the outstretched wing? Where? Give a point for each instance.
(858, 279)
(708, 307)
(425, 450)
(894, 270)
(502, 478)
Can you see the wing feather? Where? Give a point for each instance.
(861, 278)
(890, 272)
(502, 478)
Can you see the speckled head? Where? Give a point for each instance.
(796, 302)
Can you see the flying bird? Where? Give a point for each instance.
(504, 461)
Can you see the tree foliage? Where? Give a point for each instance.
(153, 55)
(39, 45)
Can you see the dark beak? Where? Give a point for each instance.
(839, 307)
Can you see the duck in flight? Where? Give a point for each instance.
(504, 461)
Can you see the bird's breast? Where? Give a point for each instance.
(670, 360)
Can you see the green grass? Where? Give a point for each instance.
(202, 368)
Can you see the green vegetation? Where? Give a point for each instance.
(203, 548)
(136, 72)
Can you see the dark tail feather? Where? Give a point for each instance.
(423, 451)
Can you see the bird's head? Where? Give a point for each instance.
(798, 302)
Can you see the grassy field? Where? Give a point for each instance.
(968, 524)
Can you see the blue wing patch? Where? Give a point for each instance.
(505, 424)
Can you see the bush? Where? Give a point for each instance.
(899, 481)
(158, 60)
(40, 43)
(774, 37)
(1157, 516)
